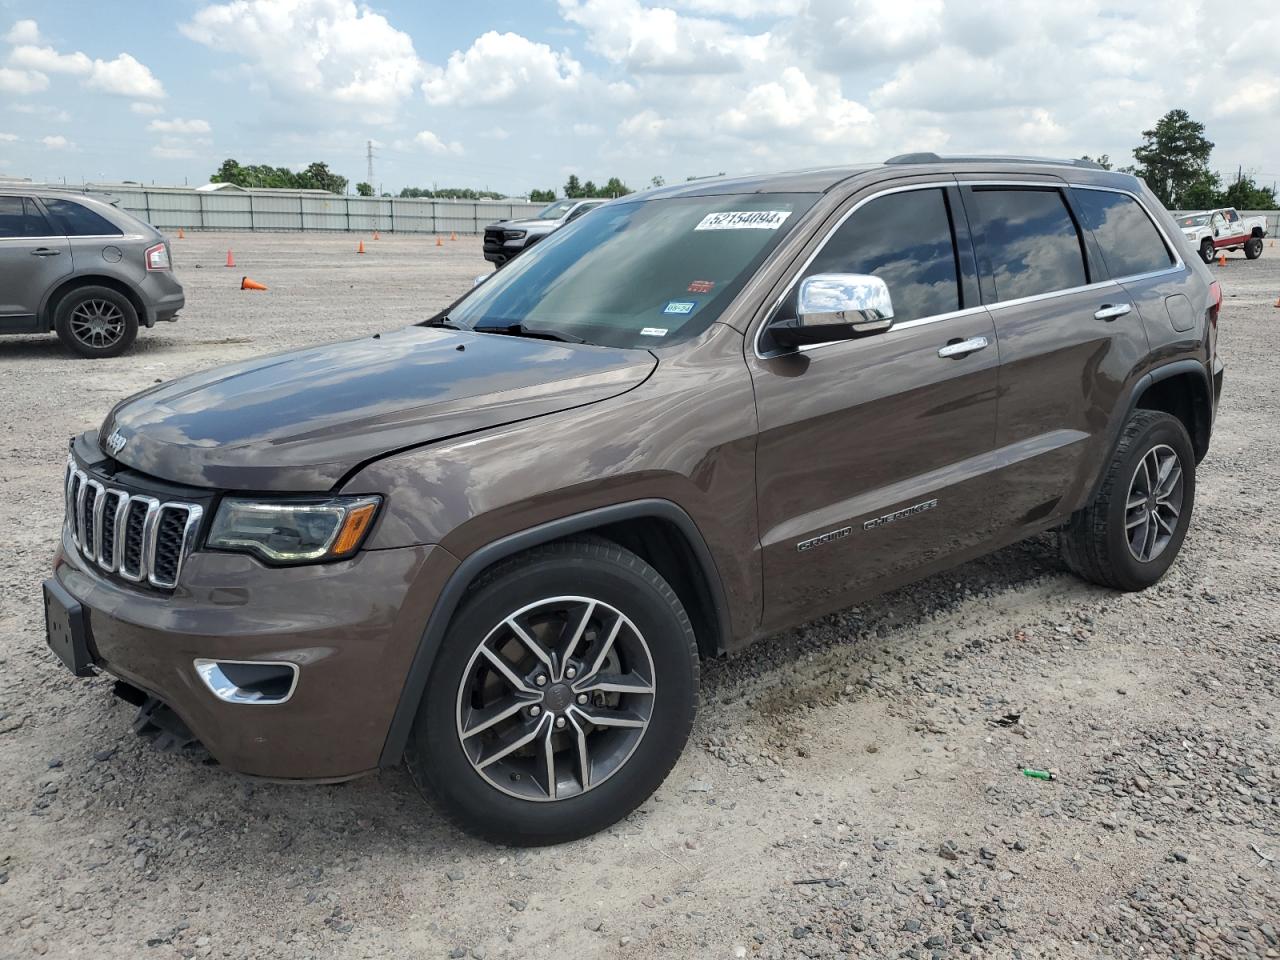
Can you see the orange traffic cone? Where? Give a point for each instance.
(439, 242)
(231, 261)
(247, 284)
(181, 235)
(375, 234)
(360, 247)
(1278, 301)
(453, 236)
(1222, 259)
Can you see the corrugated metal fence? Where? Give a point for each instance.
(171, 208)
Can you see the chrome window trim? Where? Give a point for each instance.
(799, 272)
(29, 239)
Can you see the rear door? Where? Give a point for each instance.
(1069, 337)
(93, 238)
(34, 256)
(871, 453)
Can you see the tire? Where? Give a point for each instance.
(1206, 250)
(504, 797)
(96, 322)
(1253, 248)
(1103, 543)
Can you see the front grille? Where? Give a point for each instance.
(139, 538)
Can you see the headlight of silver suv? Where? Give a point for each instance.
(293, 531)
(512, 234)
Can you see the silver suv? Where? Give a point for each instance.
(79, 266)
(506, 238)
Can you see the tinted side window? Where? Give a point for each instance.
(19, 217)
(904, 239)
(79, 221)
(1130, 242)
(1030, 240)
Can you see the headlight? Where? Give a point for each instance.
(512, 234)
(293, 531)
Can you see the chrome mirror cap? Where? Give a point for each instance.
(858, 300)
(833, 307)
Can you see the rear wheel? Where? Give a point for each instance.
(96, 322)
(1131, 533)
(1206, 250)
(562, 696)
(1253, 248)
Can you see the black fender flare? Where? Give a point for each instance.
(424, 657)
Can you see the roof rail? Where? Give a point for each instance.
(929, 157)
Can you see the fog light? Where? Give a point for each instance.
(249, 681)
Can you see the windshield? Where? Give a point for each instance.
(555, 211)
(1194, 220)
(637, 274)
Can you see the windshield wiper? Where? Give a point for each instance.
(522, 330)
(442, 322)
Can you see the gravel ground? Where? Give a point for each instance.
(848, 790)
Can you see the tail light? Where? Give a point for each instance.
(157, 257)
(1215, 297)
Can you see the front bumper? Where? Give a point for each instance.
(352, 629)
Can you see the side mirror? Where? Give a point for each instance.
(836, 306)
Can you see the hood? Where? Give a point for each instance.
(530, 224)
(301, 421)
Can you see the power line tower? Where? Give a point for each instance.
(368, 149)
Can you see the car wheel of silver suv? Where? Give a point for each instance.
(1131, 533)
(562, 696)
(96, 322)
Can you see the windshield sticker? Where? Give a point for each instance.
(681, 307)
(744, 220)
(653, 332)
(701, 286)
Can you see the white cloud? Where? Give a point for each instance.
(323, 50)
(22, 81)
(49, 60)
(8, 137)
(179, 126)
(433, 144)
(57, 142)
(502, 68)
(173, 151)
(23, 31)
(125, 77)
(743, 9)
(146, 109)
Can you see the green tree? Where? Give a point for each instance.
(1203, 192)
(657, 181)
(1245, 194)
(229, 172)
(541, 196)
(1173, 157)
(615, 188)
(589, 189)
(318, 176)
(364, 189)
(1102, 160)
(573, 187)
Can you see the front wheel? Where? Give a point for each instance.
(1131, 533)
(1206, 250)
(563, 694)
(1253, 248)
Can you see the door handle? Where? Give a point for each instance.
(963, 348)
(45, 252)
(1110, 311)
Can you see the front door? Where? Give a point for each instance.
(32, 260)
(872, 453)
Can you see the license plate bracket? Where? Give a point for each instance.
(67, 629)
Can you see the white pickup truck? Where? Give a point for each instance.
(1223, 229)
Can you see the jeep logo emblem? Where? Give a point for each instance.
(116, 442)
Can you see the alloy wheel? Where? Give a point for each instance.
(1154, 503)
(556, 698)
(98, 324)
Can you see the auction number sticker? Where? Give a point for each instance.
(744, 220)
(680, 307)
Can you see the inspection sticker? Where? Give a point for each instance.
(680, 306)
(701, 286)
(653, 332)
(744, 220)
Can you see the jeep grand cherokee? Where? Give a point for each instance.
(496, 545)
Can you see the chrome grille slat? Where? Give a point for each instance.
(108, 526)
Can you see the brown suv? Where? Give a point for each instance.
(497, 544)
